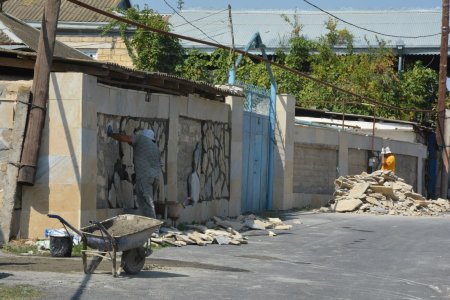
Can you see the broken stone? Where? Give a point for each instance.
(372, 200)
(271, 233)
(222, 240)
(255, 224)
(283, 227)
(358, 190)
(348, 205)
(226, 223)
(384, 190)
(415, 196)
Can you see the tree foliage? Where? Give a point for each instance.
(149, 51)
(331, 58)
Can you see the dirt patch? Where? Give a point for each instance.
(75, 265)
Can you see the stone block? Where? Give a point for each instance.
(348, 205)
(384, 190)
(66, 86)
(358, 190)
(64, 113)
(56, 169)
(6, 114)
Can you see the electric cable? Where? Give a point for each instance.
(174, 10)
(369, 30)
(210, 15)
(245, 53)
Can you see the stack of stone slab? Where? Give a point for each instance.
(222, 231)
(381, 192)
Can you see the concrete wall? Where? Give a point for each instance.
(357, 162)
(85, 175)
(321, 154)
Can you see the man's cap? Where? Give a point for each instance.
(148, 133)
(387, 150)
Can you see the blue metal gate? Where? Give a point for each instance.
(259, 136)
(255, 150)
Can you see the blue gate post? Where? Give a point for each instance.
(272, 142)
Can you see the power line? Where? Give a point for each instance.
(369, 30)
(247, 54)
(213, 14)
(174, 10)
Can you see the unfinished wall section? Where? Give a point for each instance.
(323, 154)
(13, 111)
(203, 158)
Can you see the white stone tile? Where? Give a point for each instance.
(64, 113)
(7, 114)
(58, 170)
(66, 86)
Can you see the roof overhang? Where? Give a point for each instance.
(116, 75)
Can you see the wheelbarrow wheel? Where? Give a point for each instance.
(133, 260)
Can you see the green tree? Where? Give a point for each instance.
(149, 51)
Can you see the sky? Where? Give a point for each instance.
(162, 7)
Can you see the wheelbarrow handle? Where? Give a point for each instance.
(102, 228)
(64, 222)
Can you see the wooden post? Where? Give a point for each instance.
(441, 98)
(39, 93)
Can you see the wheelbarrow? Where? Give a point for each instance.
(129, 234)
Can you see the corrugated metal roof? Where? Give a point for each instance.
(275, 31)
(18, 32)
(119, 75)
(31, 10)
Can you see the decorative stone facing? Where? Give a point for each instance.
(115, 169)
(203, 160)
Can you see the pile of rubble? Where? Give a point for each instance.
(382, 193)
(222, 231)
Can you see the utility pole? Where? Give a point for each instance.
(441, 132)
(232, 39)
(39, 93)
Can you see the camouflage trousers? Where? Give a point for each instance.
(146, 192)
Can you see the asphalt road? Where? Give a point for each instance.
(328, 256)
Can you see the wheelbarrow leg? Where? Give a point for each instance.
(114, 269)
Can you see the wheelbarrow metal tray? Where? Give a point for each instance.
(129, 231)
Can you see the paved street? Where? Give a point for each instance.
(328, 256)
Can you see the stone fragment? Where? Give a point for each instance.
(372, 200)
(222, 240)
(358, 190)
(271, 233)
(415, 196)
(379, 210)
(255, 224)
(384, 190)
(324, 209)
(422, 203)
(275, 221)
(283, 227)
(227, 223)
(348, 205)
(401, 186)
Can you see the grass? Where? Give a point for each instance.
(76, 250)
(20, 291)
(18, 247)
